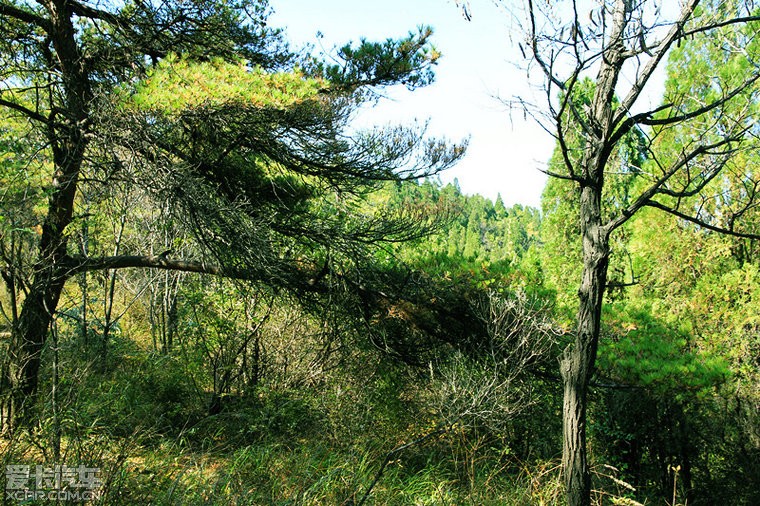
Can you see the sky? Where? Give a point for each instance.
(476, 75)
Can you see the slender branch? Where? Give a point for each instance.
(78, 264)
(701, 223)
(686, 12)
(646, 119)
(721, 24)
(715, 169)
(627, 125)
(23, 110)
(624, 284)
(645, 197)
(534, 48)
(570, 177)
(751, 202)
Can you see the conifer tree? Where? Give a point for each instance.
(204, 106)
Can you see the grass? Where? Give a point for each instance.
(144, 426)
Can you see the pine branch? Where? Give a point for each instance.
(11, 11)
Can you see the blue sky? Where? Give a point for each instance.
(479, 63)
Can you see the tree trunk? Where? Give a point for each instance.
(577, 364)
(34, 322)
(68, 143)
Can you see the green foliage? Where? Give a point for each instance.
(643, 352)
(22, 179)
(405, 61)
(479, 239)
(178, 84)
(149, 392)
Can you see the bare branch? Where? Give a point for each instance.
(85, 11)
(23, 110)
(647, 119)
(715, 169)
(700, 223)
(78, 264)
(645, 197)
(662, 48)
(546, 68)
(721, 24)
(571, 177)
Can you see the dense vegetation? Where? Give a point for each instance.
(216, 291)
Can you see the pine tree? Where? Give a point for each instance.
(203, 106)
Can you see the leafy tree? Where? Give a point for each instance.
(473, 233)
(204, 104)
(702, 289)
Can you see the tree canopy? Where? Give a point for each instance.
(204, 107)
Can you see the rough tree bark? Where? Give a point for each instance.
(577, 363)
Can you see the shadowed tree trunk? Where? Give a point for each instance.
(68, 141)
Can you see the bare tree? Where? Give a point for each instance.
(489, 388)
(619, 45)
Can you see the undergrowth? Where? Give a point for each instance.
(144, 425)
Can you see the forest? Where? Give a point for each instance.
(217, 290)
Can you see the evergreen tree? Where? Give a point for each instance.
(207, 108)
